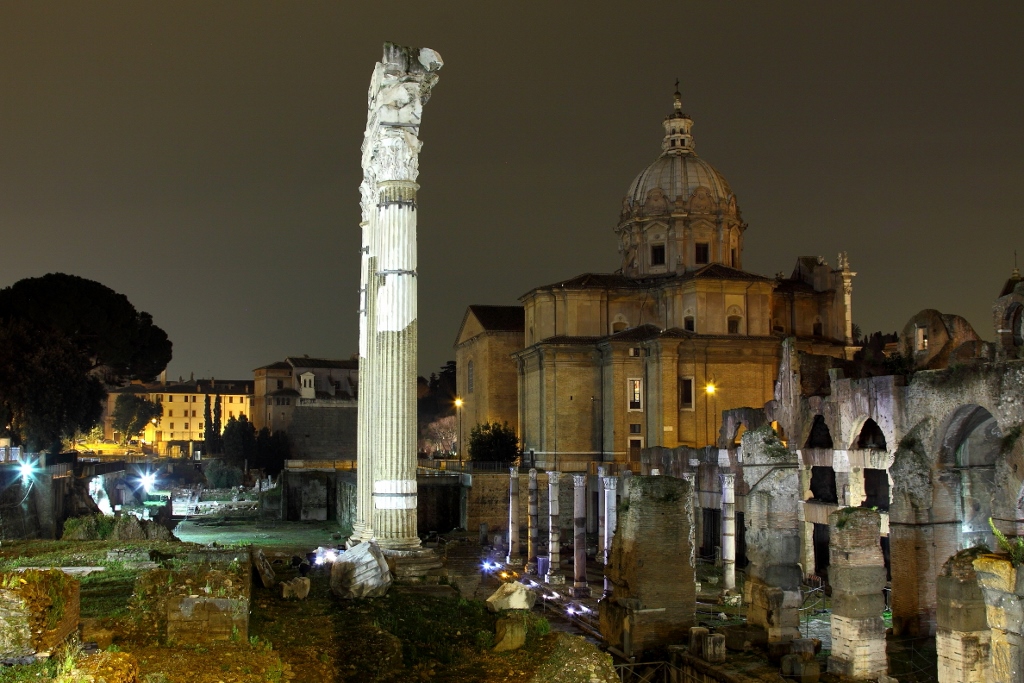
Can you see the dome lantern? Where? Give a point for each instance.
(677, 129)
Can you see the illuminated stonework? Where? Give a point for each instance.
(386, 499)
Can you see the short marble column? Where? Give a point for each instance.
(532, 535)
(579, 536)
(554, 574)
(611, 489)
(728, 530)
(514, 557)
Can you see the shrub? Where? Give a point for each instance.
(221, 476)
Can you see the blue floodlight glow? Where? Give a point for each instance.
(148, 480)
(26, 470)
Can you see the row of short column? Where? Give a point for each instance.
(554, 575)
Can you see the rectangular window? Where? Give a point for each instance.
(634, 352)
(170, 413)
(734, 325)
(202, 425)
(658, 255)
(231, 399)
(280, 384)
(172, 425)
(703, 254)
(231, 413)
(170, 399)
(921, 338)
(159, 398)
(634, 428)
(686, 393)
(193, 413)
(186, 426)
(688, 324)
(635, 394)
(732, 261)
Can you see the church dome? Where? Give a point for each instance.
(679, 180)
(679, 176)
(680, 213)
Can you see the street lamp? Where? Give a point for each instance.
(710, 390)
(458, 409)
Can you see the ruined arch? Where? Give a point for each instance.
(819, 435)
(969, 449)
(871, 437)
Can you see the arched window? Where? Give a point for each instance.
(469, 377)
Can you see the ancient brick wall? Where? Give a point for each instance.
(323, 430)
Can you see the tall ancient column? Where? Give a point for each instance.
(611, 489)
(554, 574)
(600, 513)
(728, 530)
(579, 536)
(514, 557)
(532, 535)
(401, 85)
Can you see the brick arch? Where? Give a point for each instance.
(732, 420)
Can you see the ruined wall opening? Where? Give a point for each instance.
(711, 538)
(876, 489)
(820, 437)
(970, 447)
(820, 538)
(823, 485)
(871, 436)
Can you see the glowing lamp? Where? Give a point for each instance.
(148, 480)
(710, 389)
(26, 470)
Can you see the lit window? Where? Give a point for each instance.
(703, 254)
(921, 338)
(686, 393)
(186, 426)
(635, 388)
(658, 255)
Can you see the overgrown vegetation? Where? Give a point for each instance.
(493, 442)
(220, 475)
(1012, 547)
(1011, 437)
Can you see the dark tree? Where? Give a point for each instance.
(217, 443)
(131, 414)
(209, 439)
(118, 342)
(271, 451)
(46, 390)
(239, 441)
(493, 442)
(63, 338)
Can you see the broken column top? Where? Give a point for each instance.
(854, 537)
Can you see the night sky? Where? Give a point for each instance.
(203, 157)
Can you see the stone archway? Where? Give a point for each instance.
(968, 452)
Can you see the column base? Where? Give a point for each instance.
(514, 561)
(414, 566)
(554, 579)
(581, 590)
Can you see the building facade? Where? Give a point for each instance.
(182, 426)
(651, 354)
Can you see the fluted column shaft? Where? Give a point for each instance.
(532, 533)
(362, 527)
(611, 489)
(514, 557)
(554, 574)
(579, 536)
(728, 530)
(394, 466)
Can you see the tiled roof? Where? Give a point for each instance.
(279, 365)
(640, 333)
(570, 340)
(196, 386)
(712, 271)
(500, 317)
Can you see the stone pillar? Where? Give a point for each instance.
(514, 557)
(962, 636)
(772, 589)
(857, 575)
(1003, 587)
(554, 574)
(579, 537)
(386, 435)
(611, 489)
(654, 596)
(728, 530)
(532, 534)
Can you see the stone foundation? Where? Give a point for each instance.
(962, 638)
(1002, 584)
(38, 611)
